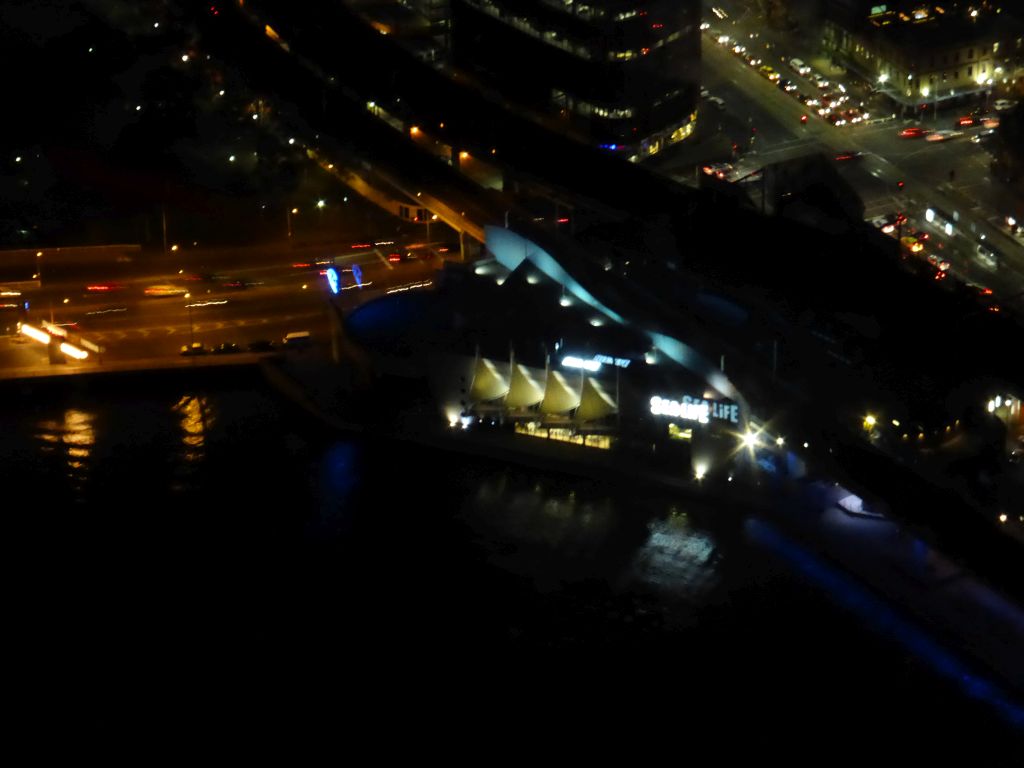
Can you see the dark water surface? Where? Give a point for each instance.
(151, 521)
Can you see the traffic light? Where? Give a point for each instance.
(899, 185)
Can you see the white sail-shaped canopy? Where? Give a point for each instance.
(489, 381)
(561, 394)
(595, 403)
(525, 387)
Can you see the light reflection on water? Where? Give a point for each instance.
(196, 419)
(551, 531)
(69, 440)
(678, 558)
(598, 564)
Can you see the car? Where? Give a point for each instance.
(296, 340)
(101, 288)
(260, 345)
(227, 348)
(849, 154)
(164, 291)
(739, 49)
(984, 137)
(799, 67)
(988, 256)
(912, 244)
(193, 350)
(1003, 104)
(886, 223)
(404, 255)
(938, 262)
(945, 135)
(787, 85)
(820, 80)
(717, 101)
(769, 72)
(984, 296)
(913, 132)
(753, 61)
(704, 93)
(965, 122)
(718, 170)
(989, 121)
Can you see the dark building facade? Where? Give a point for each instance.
(623, 75)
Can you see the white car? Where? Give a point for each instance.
(716, 100)
(943, 135)
(1004, 104)
(799, 67)
(885, 223)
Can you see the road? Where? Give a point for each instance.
(285, 292)
(952, 175)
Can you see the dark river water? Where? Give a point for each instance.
(151, 518)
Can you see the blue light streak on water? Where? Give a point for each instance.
(887, 621)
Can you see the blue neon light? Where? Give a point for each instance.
(357, 274)
(332, 279)
(887, 621)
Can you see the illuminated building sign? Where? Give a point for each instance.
(578, 362)
(695, 409)
(594, 364)
(621, 362)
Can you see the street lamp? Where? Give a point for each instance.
(191, 334)
(288, 214)
(38, 276)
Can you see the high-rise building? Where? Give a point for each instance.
(622, 75)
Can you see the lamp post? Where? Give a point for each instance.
(38, 276)
(191, 334)
(288, 215)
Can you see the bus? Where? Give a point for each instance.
(942, 220)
